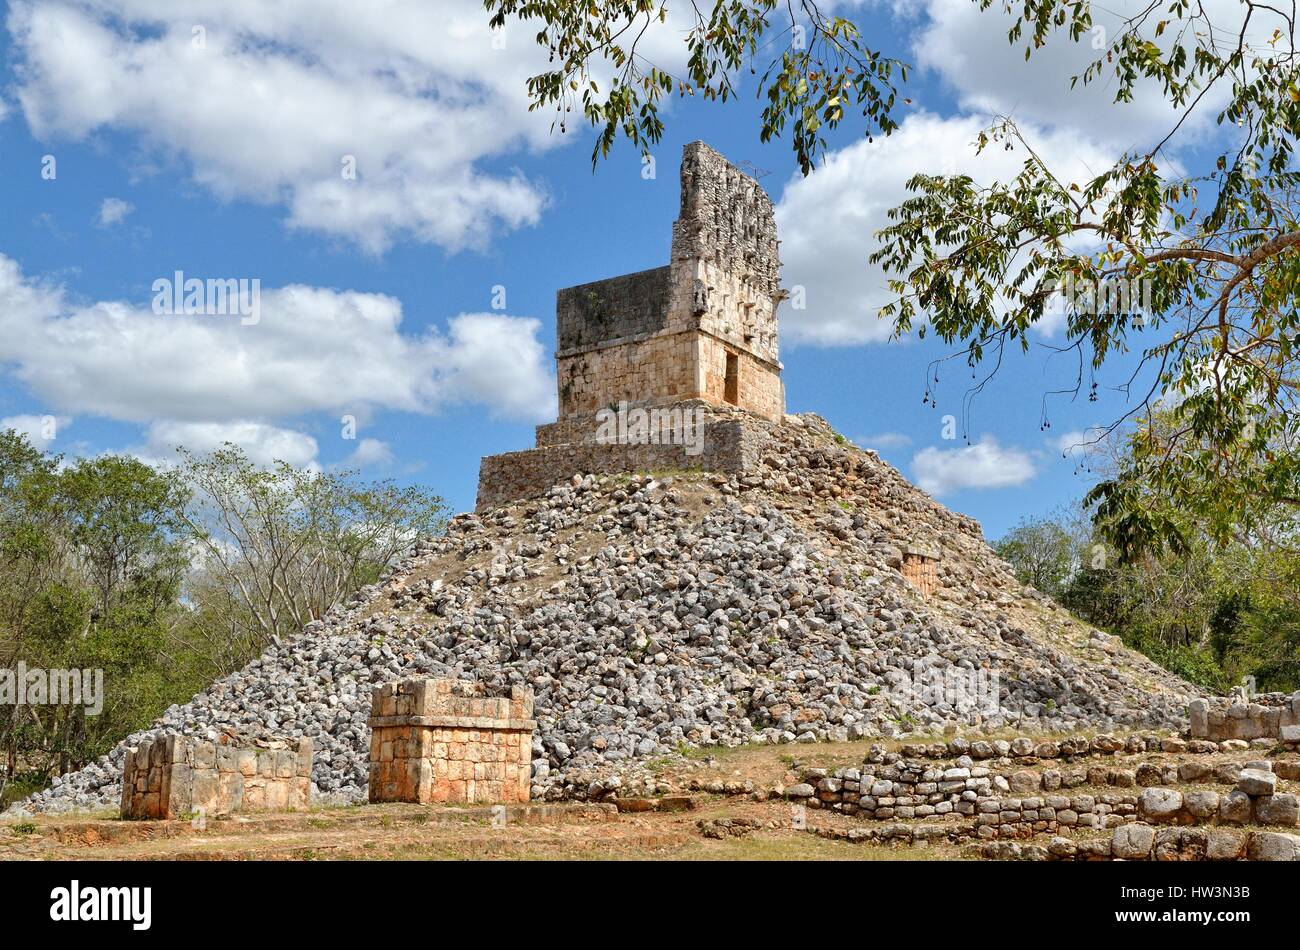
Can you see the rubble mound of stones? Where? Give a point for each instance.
(652, 612)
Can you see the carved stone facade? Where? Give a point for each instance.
(443, 740)
(921, 569)
(702, 329)
(176, 776)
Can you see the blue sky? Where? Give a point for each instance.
(223, 161)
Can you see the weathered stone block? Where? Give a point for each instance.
(463, 746)
(1133, 842)
(172, 776)
(1025, 780)
(204, 755)
(1222, 845)
(1201, 805)
(1235, 808)
(1257, 782)
(1278, 810)
(1273, 846)
(1180, 844)
(1198, 711)
(1160, 805)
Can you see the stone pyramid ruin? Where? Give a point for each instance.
(679, 563)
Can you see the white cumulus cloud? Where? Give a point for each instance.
(884, 440)
(828, 220)
(1078, 443)
(41, 431)
(113, 211)
(262, 443)
(985, 464)
(968, 48)
(371, 452)
(279, 102)
(313, 350)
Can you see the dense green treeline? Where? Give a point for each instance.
(1218, 614)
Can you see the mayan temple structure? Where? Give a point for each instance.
(666, 349)
(679, 563)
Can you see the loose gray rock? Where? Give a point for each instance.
(1133, 842)
(1257, 782)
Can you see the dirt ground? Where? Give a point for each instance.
(415, 832)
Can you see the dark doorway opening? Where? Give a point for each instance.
(732, 384)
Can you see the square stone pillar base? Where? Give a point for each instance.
(442, 740)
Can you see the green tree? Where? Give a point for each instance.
(93, 567)
(277, 547)
(163, 578)
(124, 518)
(823, 69)
(1046, 553)
(30, 558)
(1216, 614)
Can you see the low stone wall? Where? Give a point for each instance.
(1128, 842)
(176, 776)
(729, 444)
(890, 786)
(443, 740)
(1137, 842)
(1071, 749)
(1025, 817)
(1266, 716)
(1255, 800)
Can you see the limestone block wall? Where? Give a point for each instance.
(725, 305)
(667, 423)
(1138, 842)
(665, 369)
(664, 334)
(637, 370)
(631, 305)
(443, 740)
(760, 389)
(987, 778)
(728, 445)
(576, 427)
(175, 776)
(1266, 716)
